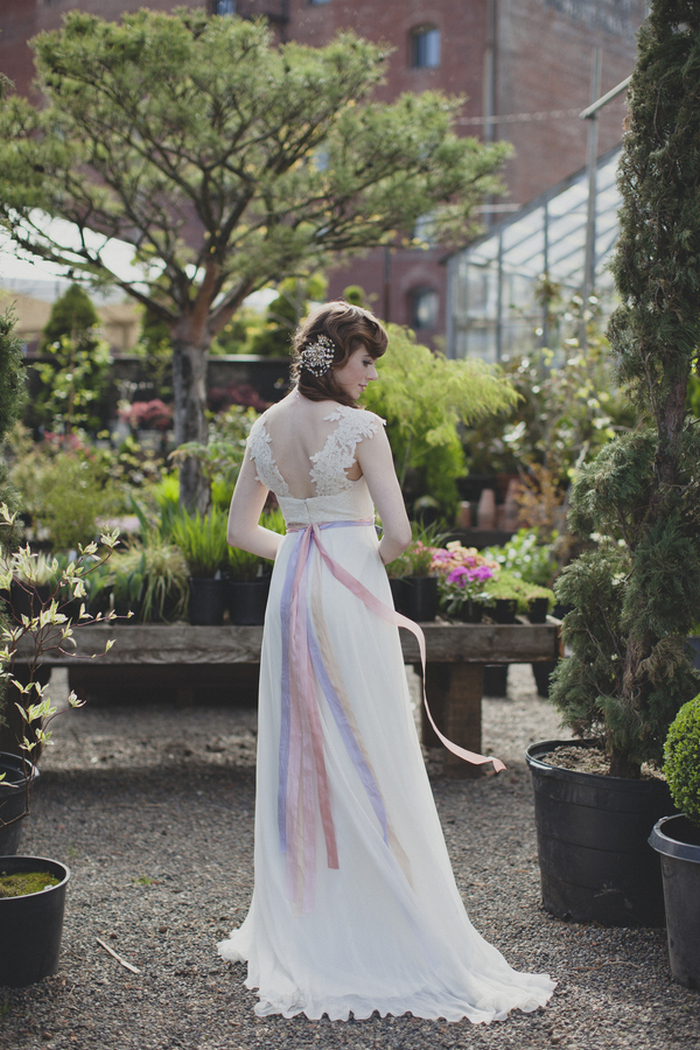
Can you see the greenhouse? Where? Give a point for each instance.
(496, 306)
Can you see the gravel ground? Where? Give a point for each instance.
(152, 808)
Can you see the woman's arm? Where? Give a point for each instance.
(246, 507)
(374, 456)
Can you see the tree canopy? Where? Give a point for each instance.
(227, 162)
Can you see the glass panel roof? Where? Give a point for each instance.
(493, 304)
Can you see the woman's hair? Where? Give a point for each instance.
(348, 327)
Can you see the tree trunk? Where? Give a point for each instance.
(190, 390)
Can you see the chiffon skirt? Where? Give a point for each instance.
(386, 929)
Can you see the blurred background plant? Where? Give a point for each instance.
(426, 399)
(202, 540)
(150, 580)
(67, 485)
(75, 378)
(221, 457)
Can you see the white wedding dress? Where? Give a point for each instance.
(361, 911)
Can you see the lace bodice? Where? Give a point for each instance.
(337, 496)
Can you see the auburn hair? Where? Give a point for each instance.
(349, 328)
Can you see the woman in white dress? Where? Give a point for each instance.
(355, 907)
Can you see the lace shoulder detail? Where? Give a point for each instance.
(261, 453)
(338, 454)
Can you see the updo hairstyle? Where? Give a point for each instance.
(348, 327)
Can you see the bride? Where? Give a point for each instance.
(355, 907)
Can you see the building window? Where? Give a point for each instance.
(224, 7)
(425, 47)
(424, 308)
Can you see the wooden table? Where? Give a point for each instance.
(456, 655)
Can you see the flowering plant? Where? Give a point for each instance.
(155, 414)
(462, 571)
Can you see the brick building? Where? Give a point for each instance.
(524, 66)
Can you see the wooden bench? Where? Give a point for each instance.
(456, 655)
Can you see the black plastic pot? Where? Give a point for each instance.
(495, 680)
(247, 600)
(537, 609)
(421, 599)
(595, 861)
(398, 593)
(471, 612)
(503, 610)
(13, 800)
(207, 601)
(31, 926)
(678, 843)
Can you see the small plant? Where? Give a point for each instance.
(150, 580)
(202, 540)
(507, 586)
(463, 574)
(35, 569)
(418, 559)
(525, 556)
(242, 565)
(682, 760)
(47, 629)
(221, 456)
(66, 488)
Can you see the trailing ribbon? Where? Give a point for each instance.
(303, 781)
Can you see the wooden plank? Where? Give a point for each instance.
(485, 643)
(187, 644)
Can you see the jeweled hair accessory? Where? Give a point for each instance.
(317, 357)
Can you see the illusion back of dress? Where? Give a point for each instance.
(309, 462)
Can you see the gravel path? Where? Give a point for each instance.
(153, 811)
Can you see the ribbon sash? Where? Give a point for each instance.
(303, 781)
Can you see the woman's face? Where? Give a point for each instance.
(356, 373)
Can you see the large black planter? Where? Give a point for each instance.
(678, 843)
(13, 800)
(207, 602)
(595, 862)
(247, 600)
(31, 926)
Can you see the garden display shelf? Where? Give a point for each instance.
(456, 655)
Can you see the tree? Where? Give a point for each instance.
(636, 596)
(227, 162)
(12, 396)
(76, 375)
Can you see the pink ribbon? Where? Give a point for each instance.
(303, 780)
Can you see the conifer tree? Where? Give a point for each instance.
(636, 596)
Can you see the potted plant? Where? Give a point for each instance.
(635, 594)
(248, 578)
(150, 580)
(677, 840)
(247, 587)
(463, 574)
(31, 916)
(202, 540)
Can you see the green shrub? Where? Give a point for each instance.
(203, 542)
(682, 760)
(150, 580)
